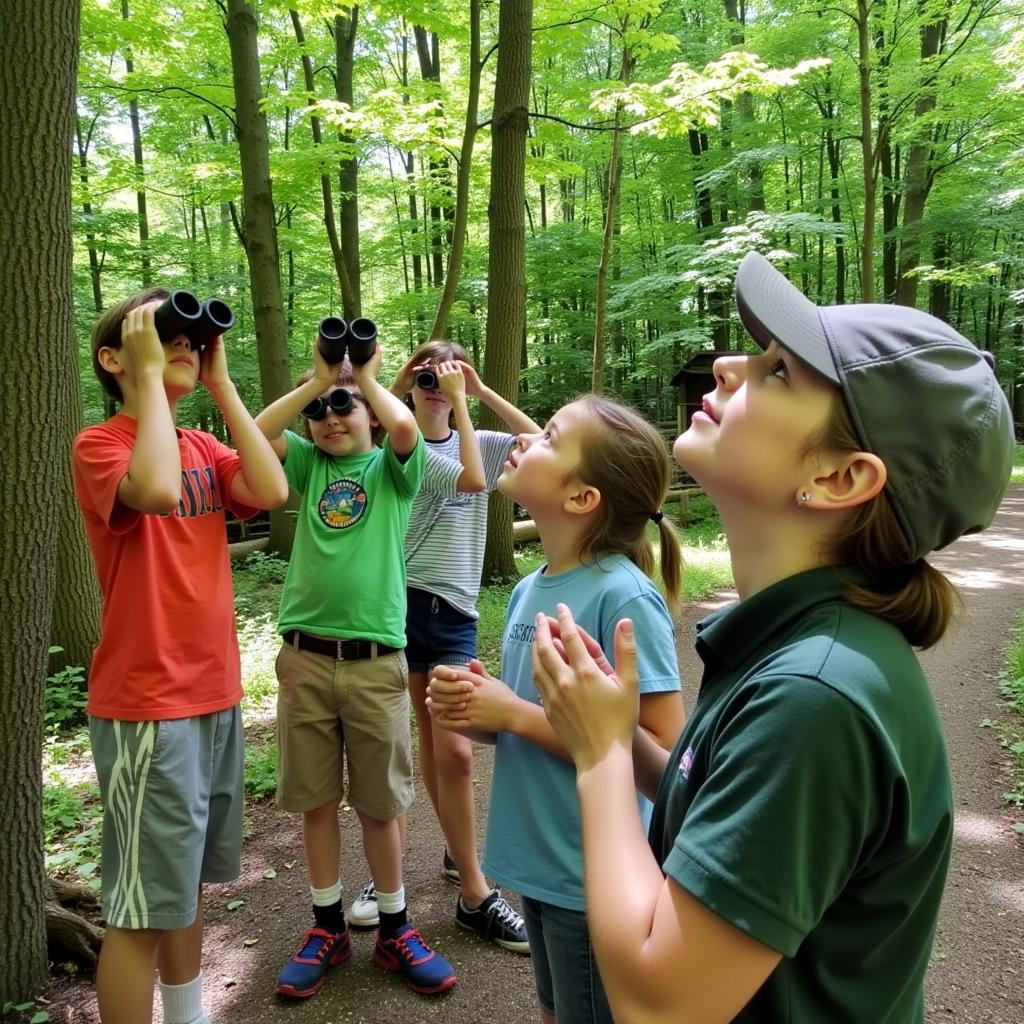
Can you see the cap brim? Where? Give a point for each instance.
(772, 309)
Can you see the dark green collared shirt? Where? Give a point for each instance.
(808, 802)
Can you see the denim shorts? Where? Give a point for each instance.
(436, 633)
(564, 969)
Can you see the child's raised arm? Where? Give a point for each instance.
(260, 482)
(279, 415)
(517, 420)
(451, 379)
(392, 413)
(153, 481)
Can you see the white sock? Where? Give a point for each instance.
(391, 902)
(183, 1004)
(326, 897)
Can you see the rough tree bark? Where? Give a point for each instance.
(38, 61)
(348, 296)
(140, 168)
(260, 228)
(458, 247)
(506, 274)
(348, 174)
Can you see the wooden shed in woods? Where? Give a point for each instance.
(693, 380)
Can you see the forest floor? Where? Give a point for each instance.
(977, 970)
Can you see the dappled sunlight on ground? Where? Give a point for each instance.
(982, 830)
(982, 579)
(1010, 894)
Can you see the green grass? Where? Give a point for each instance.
(1017, 475)
(71, 808)
(1011, 731)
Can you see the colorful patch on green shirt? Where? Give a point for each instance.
(342, 504)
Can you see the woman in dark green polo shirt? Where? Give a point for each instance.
(803, 822)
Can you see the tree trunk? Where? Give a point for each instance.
(260, 228)
(736, 14)
(438, 191)
(38, 63)
(611, 215)
(140, 170)
(348, 173)
(867, 265)
(506, 274)
(938, 301)
(348, 297)
(918, 179)
(888, 160)
(75, 618)
(451, 280)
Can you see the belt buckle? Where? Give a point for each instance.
(340, 650)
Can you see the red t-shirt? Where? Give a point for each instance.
(168, 647)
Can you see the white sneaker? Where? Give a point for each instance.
(363, 913)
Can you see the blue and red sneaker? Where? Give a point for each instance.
(303, 975)
(406, 953)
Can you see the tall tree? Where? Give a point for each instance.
(259, 226)
(461, 218)
(140, 167)
(344, 32)
(341, 264)
(506, 275)
(38, 56)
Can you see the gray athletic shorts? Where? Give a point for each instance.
(172, 813)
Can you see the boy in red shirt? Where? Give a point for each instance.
(165, 682)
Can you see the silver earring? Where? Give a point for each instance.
(805, 496)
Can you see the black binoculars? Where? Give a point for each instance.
(334, 335)
(340, 400)
(426, 379)
(182, 313)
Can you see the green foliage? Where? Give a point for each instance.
(260, 569)
(1017, 474)
(1011, 732)
(24, 1013)
(261, 766)
(257, 582)
(707, 116)
(71, 824)
(65, 697)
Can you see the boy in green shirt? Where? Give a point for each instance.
(342, 671)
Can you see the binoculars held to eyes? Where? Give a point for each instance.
(340, 400)
(334, 335)
(182, 313)
(426, 379)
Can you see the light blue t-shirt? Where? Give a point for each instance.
(534, 843)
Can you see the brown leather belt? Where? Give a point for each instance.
(341, 650)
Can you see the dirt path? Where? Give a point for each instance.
(977, 971)
(977, 974)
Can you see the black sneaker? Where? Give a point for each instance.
(494, 919)
(449, 869)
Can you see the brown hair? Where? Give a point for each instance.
(439, 350)
(106, 333)
(345, 379)
(627, 460)
(911, 594)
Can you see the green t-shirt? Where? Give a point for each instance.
(346, 577)
(808, 802)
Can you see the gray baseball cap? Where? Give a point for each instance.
(922, 397)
